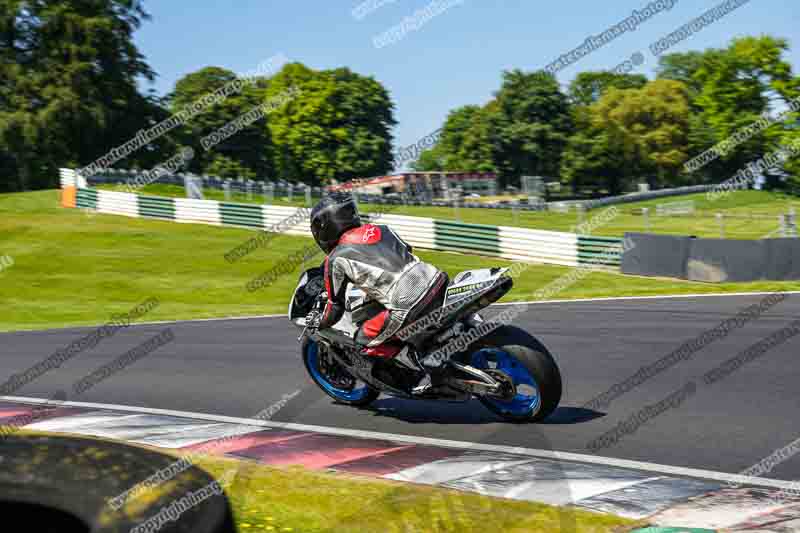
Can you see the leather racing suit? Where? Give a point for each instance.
(375, 259)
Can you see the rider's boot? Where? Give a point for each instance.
(432, 378)
(431, 371)
(408, 359)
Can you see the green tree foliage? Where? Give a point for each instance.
(68, 94)
(464, 145)
(591, 161)
(630, 135)
(522, 131)
(651, 125)
(683, 67)
(588, 87)
(249, 152)
(530, 125)
(430, 160)
(730, 89)
(476, 150)
(336, 128)
(451, 142)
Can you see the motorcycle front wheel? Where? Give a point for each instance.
(535, 375)
(333, 379)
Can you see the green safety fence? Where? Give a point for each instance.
(86, 198)
(241, 215)
(599, 250)
(462, 237)
(156, 207)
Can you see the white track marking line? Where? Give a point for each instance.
(662, 297)
(530, 452)
(254, 317)
(535, 302)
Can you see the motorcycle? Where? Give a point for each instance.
(503, 366)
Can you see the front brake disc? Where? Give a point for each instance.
(337, 375)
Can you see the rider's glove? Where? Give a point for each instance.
(313, 319)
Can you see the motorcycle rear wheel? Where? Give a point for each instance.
(533, 370)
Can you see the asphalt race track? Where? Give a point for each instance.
(240, 367)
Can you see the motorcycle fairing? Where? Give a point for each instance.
(470, 283)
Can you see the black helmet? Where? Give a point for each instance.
(331, 217)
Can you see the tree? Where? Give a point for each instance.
(249, 152)
(336, 128)
(650, 126)
(455, 128)
(476, 148)
(68, 86)
(529, 126)
(464, 145)
(730, 89)
(738, 87)
(430, 160)
(683, 67)
(629, 135)
(591, 160)
(588, 87)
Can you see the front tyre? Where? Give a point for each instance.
(333, 379)
(536, 378)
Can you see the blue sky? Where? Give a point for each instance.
(453, 59)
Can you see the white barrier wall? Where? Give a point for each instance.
(518, 244)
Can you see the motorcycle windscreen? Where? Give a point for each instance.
(310, 285)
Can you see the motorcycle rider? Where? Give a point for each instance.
(375, 259)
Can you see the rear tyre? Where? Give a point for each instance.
(535, 374)
(350, 393)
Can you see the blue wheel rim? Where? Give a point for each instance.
(312, 358)
(526, 401)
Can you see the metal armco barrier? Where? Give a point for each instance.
(641, 196)
(722, 260)
(656, 255)
(712, 260)
(518, 244)
(783, 259)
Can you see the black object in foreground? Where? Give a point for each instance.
(63, 484)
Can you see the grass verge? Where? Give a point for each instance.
(71, 268)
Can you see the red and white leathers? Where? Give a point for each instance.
(375, 259)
